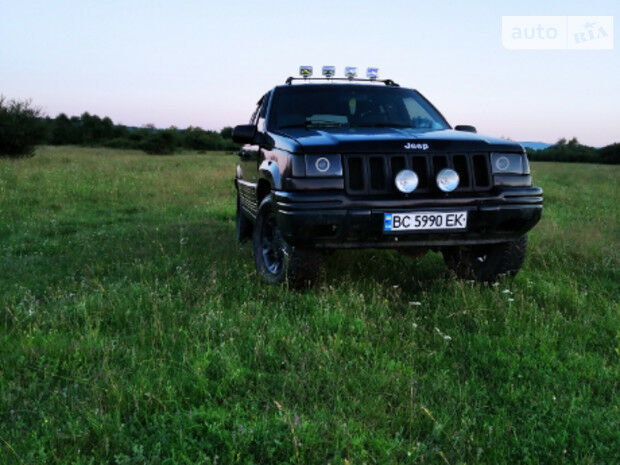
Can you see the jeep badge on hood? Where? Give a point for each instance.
(412, 146)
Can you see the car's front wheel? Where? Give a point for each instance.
(486, 262)
(277, 261)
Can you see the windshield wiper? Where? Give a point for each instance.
(382, 125)
(314, 124)
(296, 125)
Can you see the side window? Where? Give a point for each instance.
(254, 117)
(258, 117)
(263, 107)
(262, 112)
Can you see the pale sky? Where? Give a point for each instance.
(205, 63)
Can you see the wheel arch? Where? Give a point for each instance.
(270, 171)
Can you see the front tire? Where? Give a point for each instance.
(277, 261)
(486, 262)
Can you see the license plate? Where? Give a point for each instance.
(424, 221)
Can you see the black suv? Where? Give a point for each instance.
(329, 165)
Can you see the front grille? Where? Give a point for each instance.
(374, 174)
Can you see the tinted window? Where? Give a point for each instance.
(352, 106)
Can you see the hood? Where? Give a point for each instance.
(390, 140)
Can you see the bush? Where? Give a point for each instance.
(21, 128)
(195, 138)
(163, 142)
(123, 143)
(226, 132)
(610, 154)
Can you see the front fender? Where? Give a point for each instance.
(270, 171)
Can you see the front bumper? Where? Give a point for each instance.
(335, 220)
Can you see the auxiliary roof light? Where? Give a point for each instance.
(329, 71)
(350, 72)
(305, 71)
(372, 73)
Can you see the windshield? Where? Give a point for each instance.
(352, 106)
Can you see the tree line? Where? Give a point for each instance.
(23, 126)
(573, 151)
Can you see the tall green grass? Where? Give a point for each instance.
(134, 330)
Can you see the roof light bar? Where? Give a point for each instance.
(305, 71)
(372, 73)
(329, 71)
(329, 74)
(350, 72)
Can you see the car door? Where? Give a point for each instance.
(249, 161)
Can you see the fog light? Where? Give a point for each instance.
(447, 180)
(406, 181)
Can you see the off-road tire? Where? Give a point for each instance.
(486, 262)
(299, 267)
(243, 225)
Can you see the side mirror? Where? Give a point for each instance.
(244, 134)
(465, 127)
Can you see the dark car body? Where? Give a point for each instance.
(347, 210)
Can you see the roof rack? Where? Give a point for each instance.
(387, 82)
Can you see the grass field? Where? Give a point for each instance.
(134, 330)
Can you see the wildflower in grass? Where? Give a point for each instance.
(444, 336)
(415, 303)
(506, 291)
(495, 284)
(510, 299)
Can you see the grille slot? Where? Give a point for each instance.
(460, 166)
(374, 174)
(481, 170)
(377, 173)
(355, 174)
(439, 162)
(419, 165)
(397, 164)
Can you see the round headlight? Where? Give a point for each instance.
(322, 164)
(447, 180)
(406, 181)
(502, 163)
